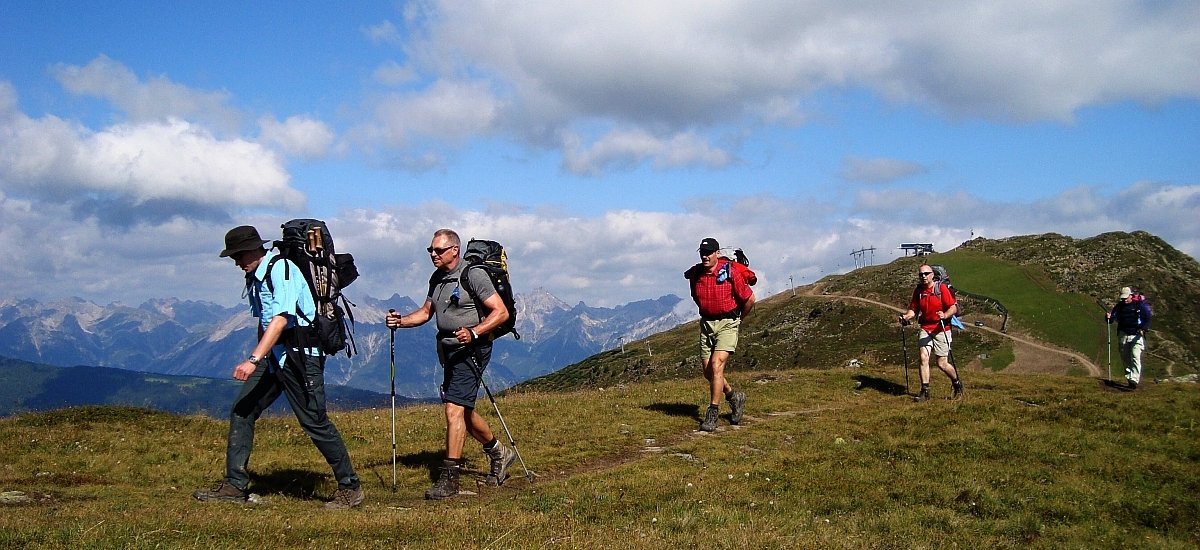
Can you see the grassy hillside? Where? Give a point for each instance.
(1053, 286)
(825, 459)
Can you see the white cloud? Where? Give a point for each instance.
(675, 67)
(878, 170)
(299, 136)
(174, 161)
(608, 259)
(447, 111)
(384, 32)
(630, 148)
(154, 99)
(391, 73)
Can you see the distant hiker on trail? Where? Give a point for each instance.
(935, 304)
(1132, 315)
(283, 361)
(462, 338)
(720, 289)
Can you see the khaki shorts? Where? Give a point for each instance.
(939, 343)
(719, 335)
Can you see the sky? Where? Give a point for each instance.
(599, 141)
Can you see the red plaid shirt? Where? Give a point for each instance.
(718, 299)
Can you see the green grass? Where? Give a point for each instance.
(1043, 461)
(1035, 304)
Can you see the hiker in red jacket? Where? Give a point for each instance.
(720, 289)
(935, 304)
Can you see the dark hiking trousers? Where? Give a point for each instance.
(305, 391)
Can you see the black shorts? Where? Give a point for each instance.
(460, 382)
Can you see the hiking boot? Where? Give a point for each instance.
(446, 485)
(959, 391)
(222, 491)
(345, 499)
(502, 457)
(922, 396)
(710, 420)
(1132, 385)
(737, 402)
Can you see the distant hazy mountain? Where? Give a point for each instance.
(26, 386)
(176, 337)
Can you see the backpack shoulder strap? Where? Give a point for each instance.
(286, 271)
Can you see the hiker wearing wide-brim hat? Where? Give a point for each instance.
(724, 298)
(285, 360)
(1132, 315)
(242, 238)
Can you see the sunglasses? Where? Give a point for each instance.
(924, 273)
(704, 254)
(440, 251)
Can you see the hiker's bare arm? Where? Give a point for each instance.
(413, 318)
(749, 305)
(266, 341)
(496, 317)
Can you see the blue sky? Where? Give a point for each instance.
(600, 141)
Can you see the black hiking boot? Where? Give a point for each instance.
(222, 491)
(1132, 385)
(959, 391)
(446, 485)
(345, 499)
(710, 419)
(502, 457)
(923, 395)
(737, 402)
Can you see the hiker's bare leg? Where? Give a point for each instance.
(925, 351)
(478, 428)
(944, 364)
(456, 430)
(714, 371)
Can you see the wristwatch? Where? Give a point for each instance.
(254, 360)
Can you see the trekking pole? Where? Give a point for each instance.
(392, 346)
(479, 375)
(1109, 347)
(904, 344)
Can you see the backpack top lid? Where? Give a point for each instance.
(940, 273)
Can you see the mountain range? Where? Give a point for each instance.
(191, 338)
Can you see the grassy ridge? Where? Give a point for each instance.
(1034, 302)
(831, 458)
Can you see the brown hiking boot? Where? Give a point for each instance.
(345, 499)
(222, 491)
(446, 485)
(922, 396)
(959, 391)
(502, 457)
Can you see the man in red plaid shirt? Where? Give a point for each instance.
(720, 289)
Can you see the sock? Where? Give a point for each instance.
(729, 395)
(712, 406)
(490, 444)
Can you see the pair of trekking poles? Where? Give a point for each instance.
(949, 348)
(478, 375)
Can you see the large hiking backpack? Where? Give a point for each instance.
(942, 276)
(308, 244)
(741, 264)
(493, 260)
(1137, 296)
